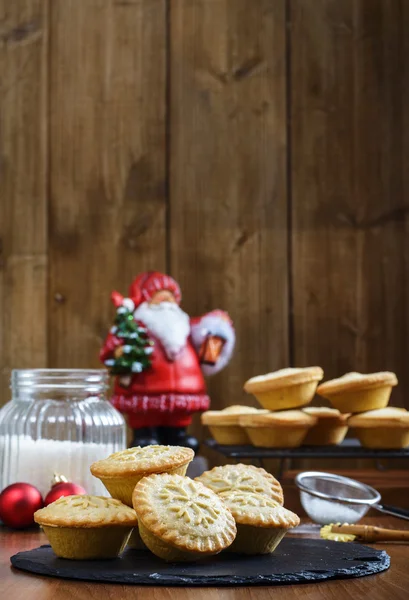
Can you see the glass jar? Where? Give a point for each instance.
(58, 421)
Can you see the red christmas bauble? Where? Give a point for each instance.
(61, 487)
(18, 503)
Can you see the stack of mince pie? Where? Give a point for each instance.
(283, 393)
(285, 421)
(156, 507)
(279, 423)
(367, 396)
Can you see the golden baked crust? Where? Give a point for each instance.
(257, 510)
(330, 429)
(383, 417)
(283, 418)
(86, 512)
(242, 478)
(283, 378)
(183, 513)
(136, 461)
(228, 416)
(324, 413)
(236, 408)
(353, 382)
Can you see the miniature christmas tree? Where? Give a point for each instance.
(134, 355)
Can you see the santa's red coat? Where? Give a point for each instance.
(167, 393)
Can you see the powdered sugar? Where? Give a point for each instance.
(325, 512)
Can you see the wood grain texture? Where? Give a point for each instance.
(255, 148)
(108, 180)
(350, 115)
(23, 177)
(393, 583)
(228, 222)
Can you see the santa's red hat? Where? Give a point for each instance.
(144, 286)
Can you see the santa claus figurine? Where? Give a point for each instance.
(159, 357)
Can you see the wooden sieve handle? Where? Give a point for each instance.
(369, 533)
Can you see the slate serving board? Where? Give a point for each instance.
(295, 561)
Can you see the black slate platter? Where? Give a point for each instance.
(294, 561)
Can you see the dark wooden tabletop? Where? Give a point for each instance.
(17, 585)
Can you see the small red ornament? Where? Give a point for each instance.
(60, 486)
(18, 503)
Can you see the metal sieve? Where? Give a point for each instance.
(329, 498)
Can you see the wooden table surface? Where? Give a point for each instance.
(18, 585)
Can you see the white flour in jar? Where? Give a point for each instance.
(35, 461)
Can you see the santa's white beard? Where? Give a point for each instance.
(167, 322)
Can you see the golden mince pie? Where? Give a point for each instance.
(224, 424)
(242, 478)
(87, 527)
(121, 471)
(383, 428)
(331, 426)
(356, 392)
(261, 522)
(281, 429)
(287, 388)
(181, 519)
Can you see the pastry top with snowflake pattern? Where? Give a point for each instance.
(259, 511)
(86, 511)
(184, 513)
(137, 460)
(243, 478)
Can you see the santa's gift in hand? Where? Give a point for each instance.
(159, 356)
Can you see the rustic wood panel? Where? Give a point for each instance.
(140, 134)
(349, 143)
(228, 220)
(23, 170)
(108, 178)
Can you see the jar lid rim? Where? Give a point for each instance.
(46, 371)
(67, 378)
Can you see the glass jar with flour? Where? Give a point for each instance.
(58, 421)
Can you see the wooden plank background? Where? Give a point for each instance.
(349, 107)
(24, 206)
(255, 149)
(107, 194)
(227, 175)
